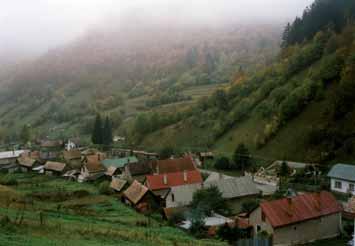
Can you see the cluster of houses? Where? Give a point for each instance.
(149, 184)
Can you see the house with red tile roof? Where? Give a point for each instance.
(299, 219)
(161, 184)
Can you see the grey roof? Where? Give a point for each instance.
(214, 176)
(183, 193)
(343, 171)
(235, 187)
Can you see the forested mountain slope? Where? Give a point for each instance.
(126, 69)
(301, 107)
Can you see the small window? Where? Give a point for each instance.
(172, 197)
(258, 228)
(262, 216)
(351, 187)
(337, 185)
(295, 228)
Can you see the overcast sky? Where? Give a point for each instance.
(37, 25)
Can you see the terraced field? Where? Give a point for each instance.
(41, 210)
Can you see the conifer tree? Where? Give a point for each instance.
(107, 132)
(97, 134)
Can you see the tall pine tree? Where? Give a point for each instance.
(107, 132)
(97, 133)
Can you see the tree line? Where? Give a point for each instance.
(321, 15)
(102, 131)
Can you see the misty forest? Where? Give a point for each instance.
(174, 123)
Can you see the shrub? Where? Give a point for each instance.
(222, 163)
(248, 206)
(8, 180)
(104, 188)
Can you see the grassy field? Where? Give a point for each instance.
(42, 210)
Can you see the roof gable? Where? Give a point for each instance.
(54, 166)
(300, 208)
(342, 171)
(234, 187)
(173, 165)
(135, 192)
(164, 181)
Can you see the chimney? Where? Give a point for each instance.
(318, 202)
(185, 176)
(157, 169)
(289, 206)
(165, 179)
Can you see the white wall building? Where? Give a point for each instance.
(342, 178)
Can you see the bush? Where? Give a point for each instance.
(8, 180)
(104, 188)
(248, 206)
(222, 163)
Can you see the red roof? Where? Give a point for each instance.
(156, 182)
(174, 165)
(300, 208)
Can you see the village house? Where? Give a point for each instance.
(26, 163)
(72, 158)
(140, 197)
(52, 168)
(342, 178)
(92, 168)
(50, 149)
(137, 171)
(181, 196)
(173, 165)
(161, 184)
(299, 219)
(118, 184)
(234, 188)
(8, 160)
(117, 166)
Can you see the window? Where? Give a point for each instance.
(351, 187)
(258, 228)
(262, 216)
(172, 197)
(337, 184)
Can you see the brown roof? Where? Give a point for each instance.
(139, 168)
(135, 192)
(71, 155)
(174, 165)
(118, 184)
(111, 171)
(95, 157)
(26, 161)
(296, 209)
(54, 166)
(95, 166)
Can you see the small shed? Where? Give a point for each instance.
(54, 168)
(72, 158)
(140, 197)
(118, 184)
(26, 163)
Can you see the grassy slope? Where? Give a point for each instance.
(90, 220)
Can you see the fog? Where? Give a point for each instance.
(30, 28)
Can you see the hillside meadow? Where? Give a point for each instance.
(41, 210)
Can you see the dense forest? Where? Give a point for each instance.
(308, 90)
(151, 69)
